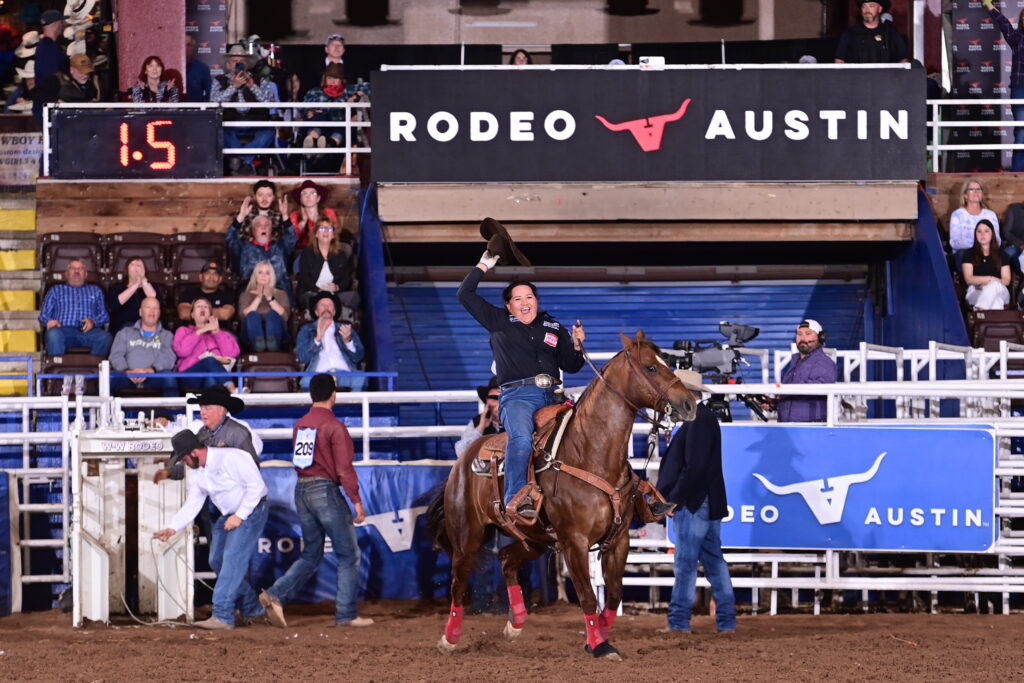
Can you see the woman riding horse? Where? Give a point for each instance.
(529, 348)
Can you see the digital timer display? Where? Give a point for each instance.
(116, 144)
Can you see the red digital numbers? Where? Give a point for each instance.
(125, 155)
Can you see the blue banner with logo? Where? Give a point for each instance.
(859, 488)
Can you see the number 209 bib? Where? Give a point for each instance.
(305, 441)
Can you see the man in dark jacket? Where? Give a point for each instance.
(691, 477)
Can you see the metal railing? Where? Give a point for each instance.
(938, 128)
(350, 122)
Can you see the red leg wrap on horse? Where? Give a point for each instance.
(518, 607)
(594, 637)
(606, 621)
(453, 629)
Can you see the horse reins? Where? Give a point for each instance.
(656, 424)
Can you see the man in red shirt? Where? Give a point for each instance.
(322, 457)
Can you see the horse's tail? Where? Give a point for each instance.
(436, 528)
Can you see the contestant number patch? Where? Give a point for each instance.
(551, 339)
(305, 442)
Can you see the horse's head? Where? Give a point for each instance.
(650, 382)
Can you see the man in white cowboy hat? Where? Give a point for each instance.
(871, 40)
(50, 57)
(27, 49)
(237, 84)
(20, 101)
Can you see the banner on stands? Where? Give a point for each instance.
(613, 125)
(858, 488)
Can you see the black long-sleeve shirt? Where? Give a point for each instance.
(520, 350)
(691, 469)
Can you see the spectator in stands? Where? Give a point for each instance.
(237, 84)
(73, 314)
(145, 347)
(20, 99)
(1015, 41)
(334, 49)
(212, 288)
(973, 208)
(290, 87)
(204, 348)
(266, 245)
(691, 476)
(198, 82)
(326, 266)
(309, 198)
(809, 365)
(986, 271)
(327, 345)
(487, 422)
(331, 90)
(520, 58)
(125, 297)
(263, 309)
(260, 203)
(231, 480)
(871, 40)
(151, 86)
(78, 85)
(50, 57)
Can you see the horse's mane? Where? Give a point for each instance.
(597, 380)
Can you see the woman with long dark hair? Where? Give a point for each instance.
(151, 86)
(986, 271)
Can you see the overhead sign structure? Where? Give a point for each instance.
(860, 488)
(693, 124)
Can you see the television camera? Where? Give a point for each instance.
(720, 361)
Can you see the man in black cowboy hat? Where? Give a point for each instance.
(871, 41)
(215, 403)
(329, 345)
(487, 422)
(530, 348)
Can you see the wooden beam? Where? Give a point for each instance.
(1001, 190)
(657, 232)
(641, 274)
(577, 202)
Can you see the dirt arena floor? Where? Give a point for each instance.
(400, 647)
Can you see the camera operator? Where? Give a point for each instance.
(237, 84)
(809, 365)
(487, 422)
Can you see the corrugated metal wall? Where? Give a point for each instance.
(439, 346)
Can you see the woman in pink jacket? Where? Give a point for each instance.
(204, 348)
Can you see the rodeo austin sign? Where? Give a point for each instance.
(715, 124)
(859, 488)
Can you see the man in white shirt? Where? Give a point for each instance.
(230, 478)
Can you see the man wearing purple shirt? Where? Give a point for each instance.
(809, 365)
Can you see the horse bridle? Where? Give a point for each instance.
(635, 368)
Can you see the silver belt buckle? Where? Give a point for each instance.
(543, 381)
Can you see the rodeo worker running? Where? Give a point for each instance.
(529, 348)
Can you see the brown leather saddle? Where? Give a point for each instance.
(546, 420)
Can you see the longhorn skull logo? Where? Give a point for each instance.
(825, 497)
(647, 131)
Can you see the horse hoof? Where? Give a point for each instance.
(511, 632)
(444, 647)
(604, 650)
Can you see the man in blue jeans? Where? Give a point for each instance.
(322, 456)
(691, 477)
(230, 478)
(74, 313)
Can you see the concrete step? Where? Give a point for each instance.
(21, 280)
(17, 239)
(19, 320)
(21, 219)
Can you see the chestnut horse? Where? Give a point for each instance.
(576, 515)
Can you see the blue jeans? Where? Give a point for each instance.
(167, 386)
(58, 339)
(261, 137)
(697, 537)
(323, 511)
(516, 409)
(205, 365)
(269, 325)
(230, 552)
(1018, 131)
